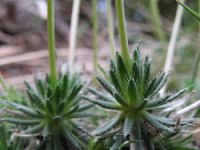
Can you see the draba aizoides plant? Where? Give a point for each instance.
(52, 113)
(135, 97)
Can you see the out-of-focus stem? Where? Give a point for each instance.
(51, 41)
(191, 11)
(195, 72)
(73, 32)
(4, 86)
(95, 31)
(157, 22)
(199, 26)
(132, 146)
(198, 58)
(122, 30)
(189, 108)
(172, 43)
(110, 27)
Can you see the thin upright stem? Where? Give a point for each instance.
(110, 27)
(157, 22)
(51, 41)
(95, 31)
(122, 30)
(73, 32)
(172, 43)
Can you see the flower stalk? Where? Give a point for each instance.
(157, 22)
(122, 30)
(110, 27)
(51, 41)
(95, 31)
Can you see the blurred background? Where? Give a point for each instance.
(23, 37)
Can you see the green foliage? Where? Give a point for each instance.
(6, 143)
(174, 141)
(134, 96)
(52, 112)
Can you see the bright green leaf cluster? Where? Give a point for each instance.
(134, 95)
(52, 112)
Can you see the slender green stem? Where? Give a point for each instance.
(157, 22)
(122, 30)
(51, 41)
(95, 31)
(110, 27)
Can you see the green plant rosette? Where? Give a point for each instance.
(52, 113)
(134, 96)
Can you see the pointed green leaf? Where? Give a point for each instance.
(49, 107)
(34, 129)
(101, 96)
(106, 85)
(72, 138)
(107, 126)
(150, 88)
(138, 136)
(147, 71)
(137, 73)
(115, 81)
(57, 94)
(104, 104)
(35, 99)
(122, 69)
(165, 121)
(84, 107)
(132, 92)
(142, 105)
(60, 108)
(120, 100)
(65, 85)
(151, 120)
(80, 115)
(161, 81)
(112, 66)
(40, 86)
(178, 94)
(71, 111)
(159, 101)
(22, 121)
(128, 125)
(103, 71)
(46, 131)
(20, 107)
(117, 143)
